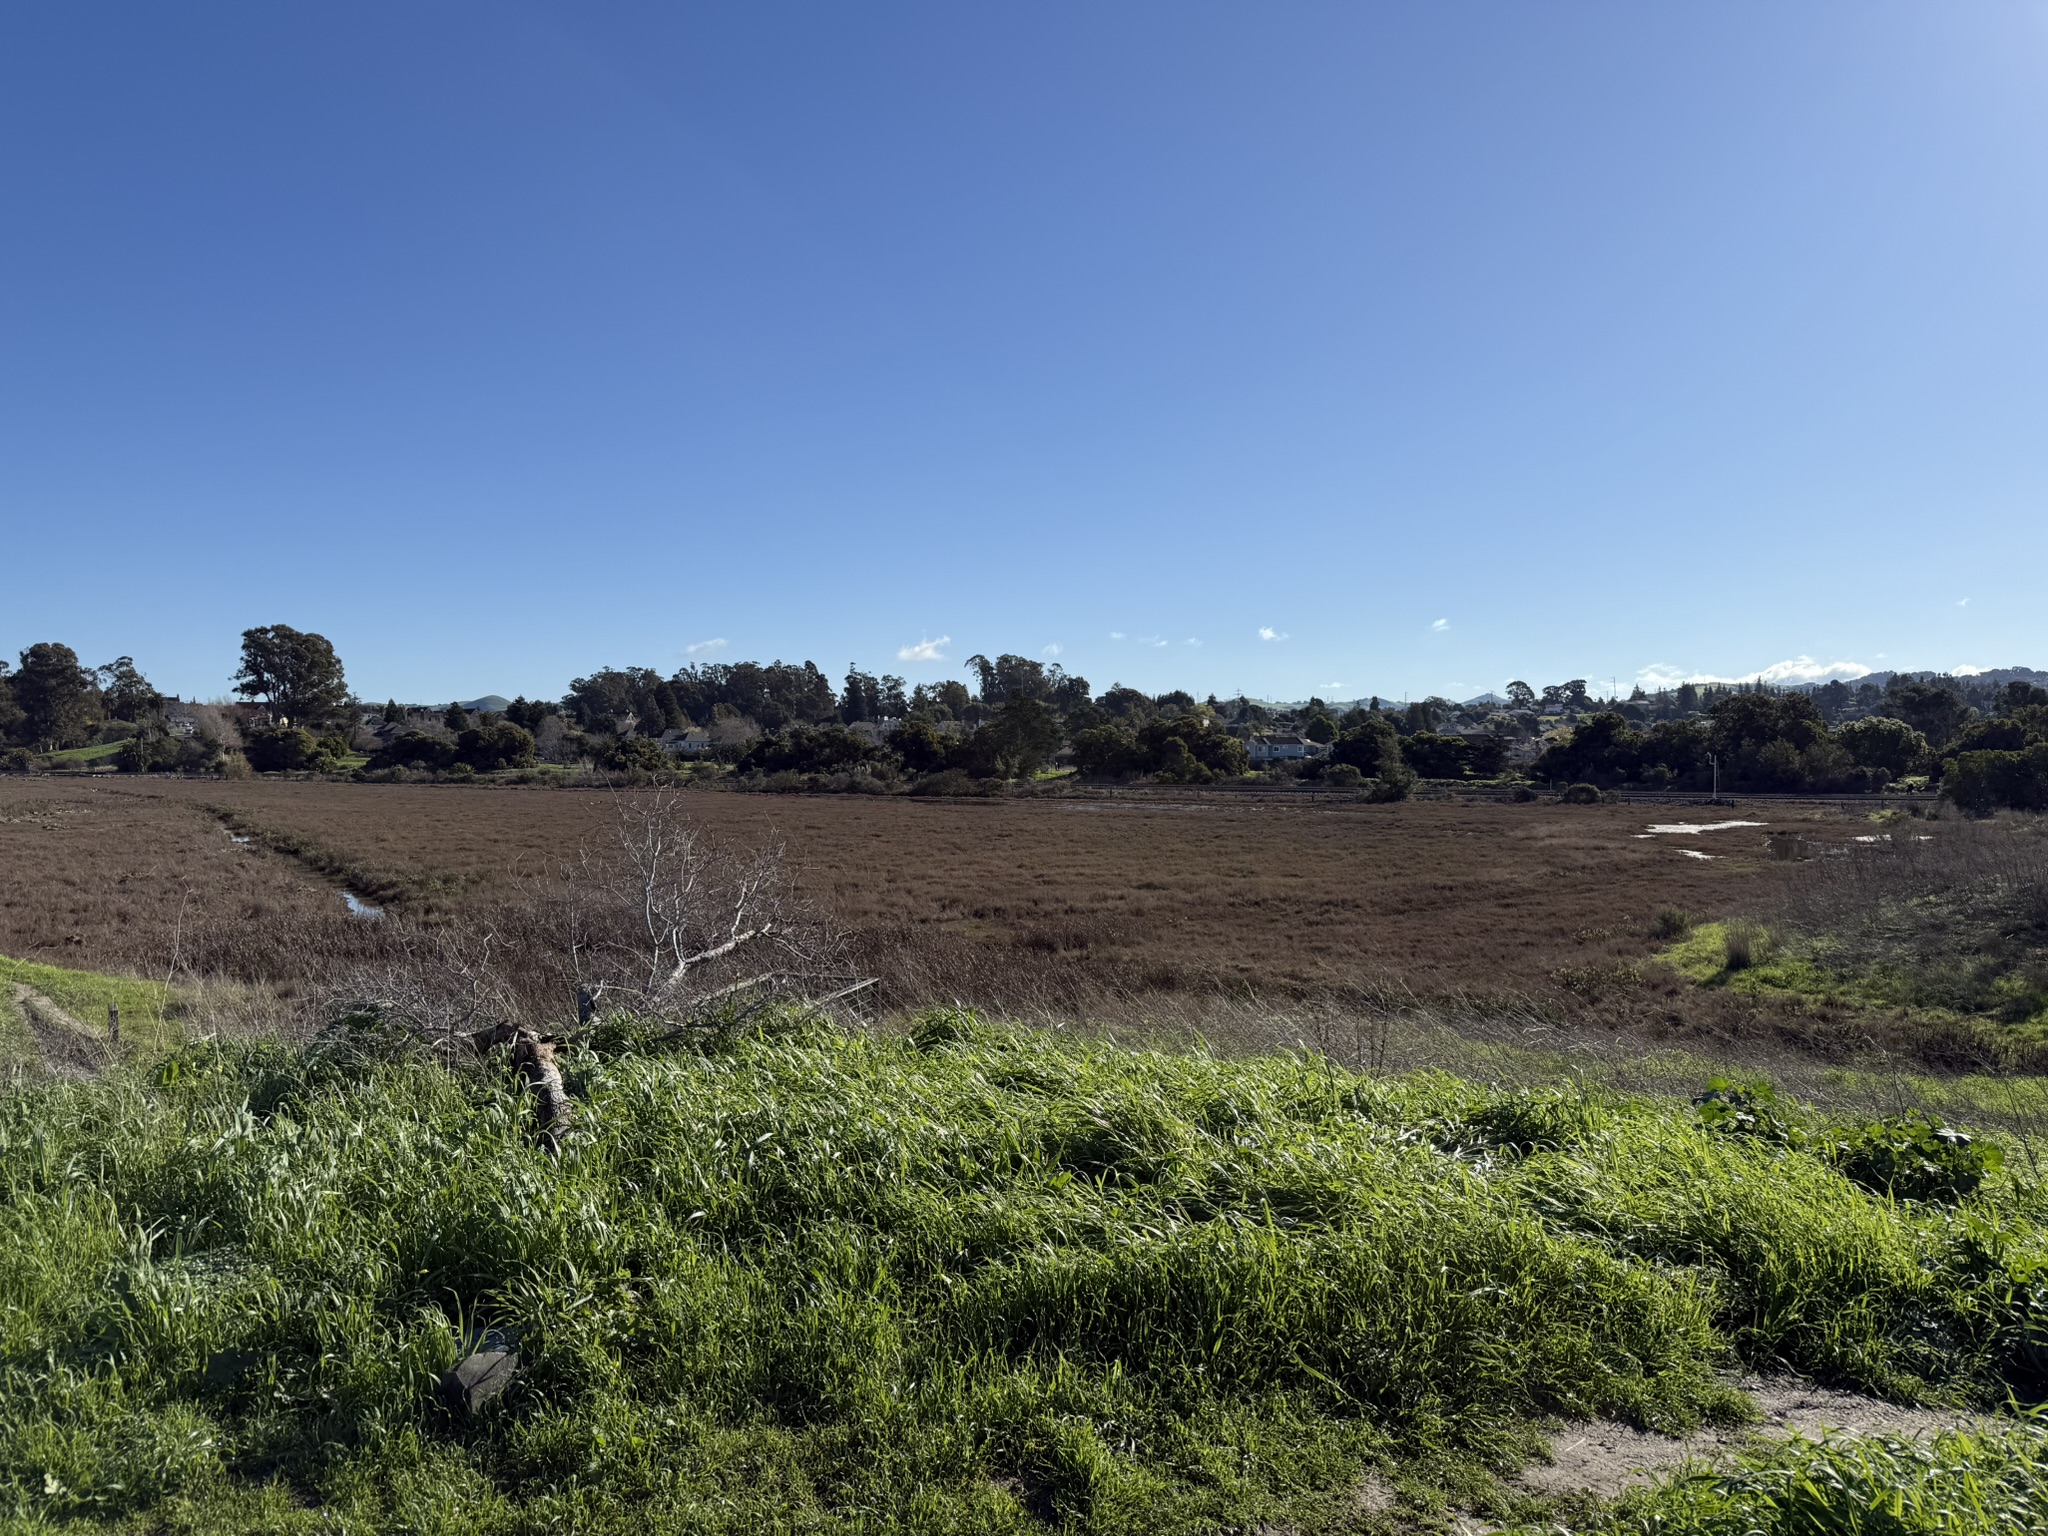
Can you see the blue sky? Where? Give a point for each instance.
(1306, 348)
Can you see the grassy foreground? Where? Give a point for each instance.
(970, 1279)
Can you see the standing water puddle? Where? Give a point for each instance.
(1694, 853)
(360, 908)
(1696, 826)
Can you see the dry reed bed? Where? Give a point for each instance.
(1202, 893)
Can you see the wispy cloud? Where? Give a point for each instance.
(1968, 671)
(1964, 603)
(1116, 634)
(1799, 669)
(1440, 626)
(706, 647)
(925, 650)
(1055, 649)
(1191, 640)
(1153, 640)
(1268, 632)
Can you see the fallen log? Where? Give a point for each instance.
(534, 1057)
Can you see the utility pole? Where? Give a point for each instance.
(1716, 761)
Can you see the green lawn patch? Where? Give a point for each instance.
(74, 756)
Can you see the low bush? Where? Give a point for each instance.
(1743, 944)
(1915, 1157)
(291, 749)
(1581, 794)
(1671, 923)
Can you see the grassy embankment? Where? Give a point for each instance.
(971, 1279)
(83, 757)
(148, 1008)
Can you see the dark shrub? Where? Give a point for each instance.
(500, 744)
(284, 749)
(801, 749)
(1915, 1157)
(415, 749)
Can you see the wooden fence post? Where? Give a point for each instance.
(114, 1022)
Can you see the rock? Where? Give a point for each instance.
(478, 1378)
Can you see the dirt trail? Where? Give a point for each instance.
(69, 1048)
(1608, 1459)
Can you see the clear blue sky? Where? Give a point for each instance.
(1442, 343)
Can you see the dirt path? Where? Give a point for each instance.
(1608, 1459)
(69, 1048)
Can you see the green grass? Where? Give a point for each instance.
(1984, 999)
(77, 755)
(148, 1009)
(971, 1279)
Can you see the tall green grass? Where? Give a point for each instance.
(969, 1279)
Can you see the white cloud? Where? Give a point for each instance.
(1964, 603)
(1055, 649)
(706, 647)
(1968, 671)
(925, 650)
(1440, 626)
(1799, 669)
(1191, 640)
(1153, 640)
(1116, 634)
(1268, 632)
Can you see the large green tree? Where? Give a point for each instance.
(297, 674)
(1936, 712)
(126, 693)
(10, 712)
(1878, 741)
(1018, 740)
(1372, 746)
(58, 698)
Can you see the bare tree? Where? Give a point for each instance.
(666, 919)
(441, 985)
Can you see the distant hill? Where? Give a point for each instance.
(1993, 677)
(489, 704)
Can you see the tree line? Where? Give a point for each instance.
(783, 723)
(1983, 759)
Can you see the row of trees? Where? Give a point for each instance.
(1784, 742)
(1025, 713)
(52, 701)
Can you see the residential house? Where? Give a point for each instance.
(1284, 749)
